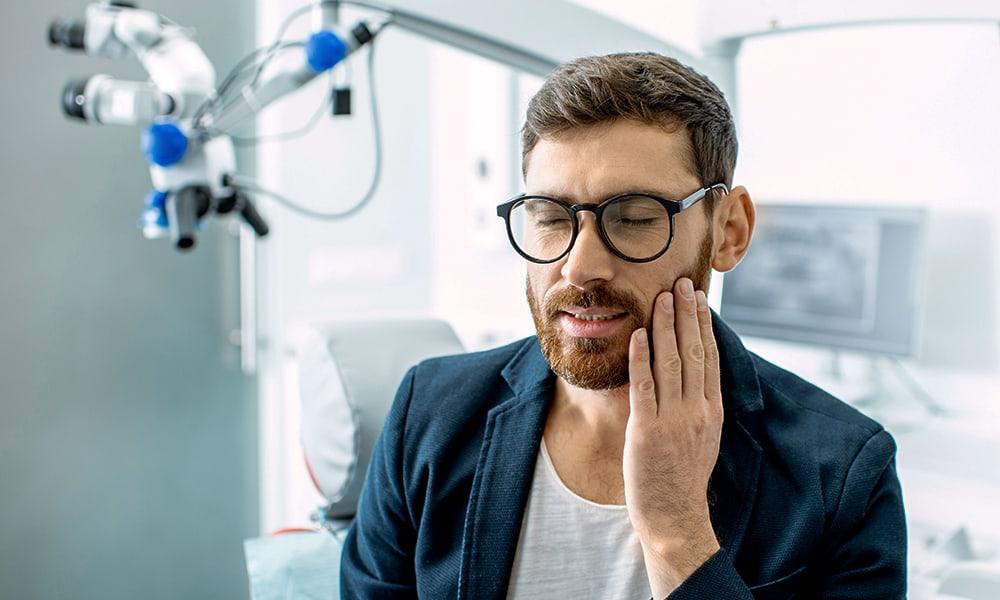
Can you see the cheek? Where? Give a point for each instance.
(679, 251)
(541, 278)
(689, 235)
(647, 286)
(657, 278)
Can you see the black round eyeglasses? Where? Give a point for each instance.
(635, 226)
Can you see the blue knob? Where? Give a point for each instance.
(156, 208)
(153, 220)
(164, 143)
(324, 49)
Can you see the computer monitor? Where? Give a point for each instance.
(832, 276)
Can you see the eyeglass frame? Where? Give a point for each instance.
(671, 206)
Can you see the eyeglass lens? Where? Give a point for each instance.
(638, 227)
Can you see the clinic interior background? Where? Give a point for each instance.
(901, 115)
(895, 115)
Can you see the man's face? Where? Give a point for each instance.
(588, 166)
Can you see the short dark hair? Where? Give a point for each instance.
(645, 87)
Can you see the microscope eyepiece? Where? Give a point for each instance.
(74, 98)
(67, 33)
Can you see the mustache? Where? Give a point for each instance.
(604, 296)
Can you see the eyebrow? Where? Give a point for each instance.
(569, 200)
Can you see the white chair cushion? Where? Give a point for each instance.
(348, 376)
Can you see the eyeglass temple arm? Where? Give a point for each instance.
(687, 202)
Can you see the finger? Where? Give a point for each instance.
(642, 389)
(689, 340)
(667, 371)
(713, 389)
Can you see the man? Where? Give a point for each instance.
(633, 448)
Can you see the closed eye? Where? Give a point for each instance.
(637, 222)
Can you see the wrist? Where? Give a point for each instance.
(671, 560)
(680, 537)
(681, 549)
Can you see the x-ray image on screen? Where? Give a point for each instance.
(808, 272)
(829, 275)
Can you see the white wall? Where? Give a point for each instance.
(478, 280)
(677, 21)
(892, 115)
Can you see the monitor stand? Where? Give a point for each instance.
(890, 398)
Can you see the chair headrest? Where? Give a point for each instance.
(348, 376)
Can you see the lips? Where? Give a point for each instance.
(592, 327)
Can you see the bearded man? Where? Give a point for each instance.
(633, 448)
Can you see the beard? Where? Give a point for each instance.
(601, 363)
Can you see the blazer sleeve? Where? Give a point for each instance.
(864, 554)
(867, 556)
(378, 554)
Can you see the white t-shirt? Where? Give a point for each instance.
(571, 547)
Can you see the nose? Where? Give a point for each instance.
(589, 261)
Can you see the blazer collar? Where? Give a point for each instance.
(511, 440)
(737, 373)
(503, 476)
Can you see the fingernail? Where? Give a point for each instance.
(667, 302)
(687, 288)
(700, 297)
(640, 338)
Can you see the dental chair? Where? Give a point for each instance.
(348, 375)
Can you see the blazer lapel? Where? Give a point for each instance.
(503, 477)
(733, 485)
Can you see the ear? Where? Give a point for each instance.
(733, 223)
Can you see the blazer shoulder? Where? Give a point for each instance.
(455, 391)
(786, 392)
(817, 438)
(456, 369)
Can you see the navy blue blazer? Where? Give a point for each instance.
(804, 497)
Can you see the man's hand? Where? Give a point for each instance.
(672, 437)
